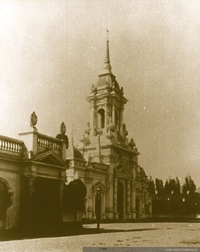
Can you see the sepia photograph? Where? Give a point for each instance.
(100, 125)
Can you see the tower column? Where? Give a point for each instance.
(106, 116)
(121, 117)
(93, 118)
(113, 114)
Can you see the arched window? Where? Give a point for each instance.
(101, 113)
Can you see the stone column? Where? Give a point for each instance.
(133, 194)
(143, 207)
(113, 114)
(93, 117)
(150, 209)
(106, 115)
(61, 188)
(103, 206)
(109, 198)
(121, 117)
(116, 215)
(128, 199)
(31, 185)
(93, 210)
(90, 207)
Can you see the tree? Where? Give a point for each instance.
(167, 188)
(189, 187)
(151, 186)
(173, 186)
(159, 186)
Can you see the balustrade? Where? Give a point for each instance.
(49, 143)
(10, 144)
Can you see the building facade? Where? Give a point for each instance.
(109, 160)
(35, 169)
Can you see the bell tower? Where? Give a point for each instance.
(112, 159)
(106, 100)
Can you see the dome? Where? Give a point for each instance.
(107, 80)
(78, 154)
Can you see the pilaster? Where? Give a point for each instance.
(116, 215)
(133, 201)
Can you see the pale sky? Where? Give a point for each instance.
(52, 52)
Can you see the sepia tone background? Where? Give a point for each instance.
(52, 52)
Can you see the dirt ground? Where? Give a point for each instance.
(114, 235)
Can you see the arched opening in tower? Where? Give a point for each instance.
(101, 114)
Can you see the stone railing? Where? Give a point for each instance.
(10, 144)
(48, 142)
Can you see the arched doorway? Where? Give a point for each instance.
(120, 200)
(46, 203)
(5, 202)
(137, 208)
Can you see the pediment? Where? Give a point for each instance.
(49, 157)
(99, 185)
(139, 190)
(122, 172)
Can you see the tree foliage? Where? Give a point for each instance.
(172, 186)
(151, 186)
(168, 199)
(189, 186)
(159, 186)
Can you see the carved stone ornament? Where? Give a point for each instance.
(33, 120)
(93, 89)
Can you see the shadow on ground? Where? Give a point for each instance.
(19, 235)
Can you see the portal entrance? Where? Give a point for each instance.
(3, 203)
(46, 203)
(120, 200)
(137, 208)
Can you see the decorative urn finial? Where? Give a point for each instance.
(62, 128)
(62, 135)
(33, 120)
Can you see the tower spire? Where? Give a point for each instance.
(107, 58)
